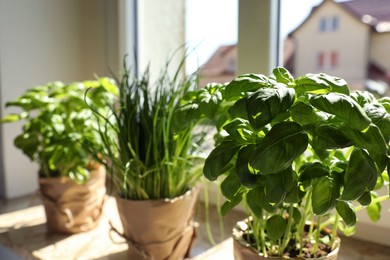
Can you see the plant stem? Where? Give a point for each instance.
(334, 229)
(318, 232)
(286, 237)
(301, 227)
(262, 235)
(207, 217)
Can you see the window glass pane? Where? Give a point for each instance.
(211, 37)
(335, 23)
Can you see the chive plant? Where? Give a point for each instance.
(155, 152)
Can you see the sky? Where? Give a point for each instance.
(212, 23)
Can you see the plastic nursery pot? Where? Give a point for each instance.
(159, 229)
(243, 250)
(73, 208)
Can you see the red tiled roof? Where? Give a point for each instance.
(220, 62)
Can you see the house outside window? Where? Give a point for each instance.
(335, 23)
(328, 60)
(328, 24)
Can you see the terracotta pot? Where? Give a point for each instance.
(72, 208)
(159, 229)
(243, 251)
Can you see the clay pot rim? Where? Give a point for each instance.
(194, 190)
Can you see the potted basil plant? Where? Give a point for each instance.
(154, 163)
(57, 125)
(303, 155)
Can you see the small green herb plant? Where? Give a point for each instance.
(155, 152)
(58, 123)
(302, 154)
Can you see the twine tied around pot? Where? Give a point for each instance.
(73, 208)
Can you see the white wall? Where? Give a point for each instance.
(42, 41)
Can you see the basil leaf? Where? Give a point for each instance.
(372, 140)
(265, 104)
(304, 114)
(311, 83)
(281, 145)
(328, 136)
(365, 198)
(347, 213)
(344, 107)
(278, 185)
(241, 131)
(219, 158)
(230, 204)
(244, 175)
(361, 175)
(326, 190)
(362, 97)
(311, 170)
(247, 83)
(282, 75)
(379, 116)
(256, 201)
(276, 227)
(230, 186)
(374, 210)
(238, 109)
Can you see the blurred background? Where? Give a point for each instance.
(72, 40)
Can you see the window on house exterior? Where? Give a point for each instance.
(335, 23)
(328, 60)
(323, 25)
(329, 24)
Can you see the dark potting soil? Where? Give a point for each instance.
(292, 249)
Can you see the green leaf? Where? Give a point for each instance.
(311, 170)
(344, 107)
(310, 83)
(282, 75)
(361, 175)
(244, 175)
(238, 109)
(326, 191)
(365, 198)
(256, 201)
(230, 186)
(347, 213)
(329, 136)
(372, 140)
(320, 84)
(240, 86)
(304, 114)
(13, 117)
(297, 215)
(379, 116)
(336, 84)
(265, 104)
(219, 158)
(281, 145)
(28, 143)
(241, 131)
(230, 204)
(278, 185)
(276, 227)
(362, 97)
(347, 231)
(374, 210)
(210, 98)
